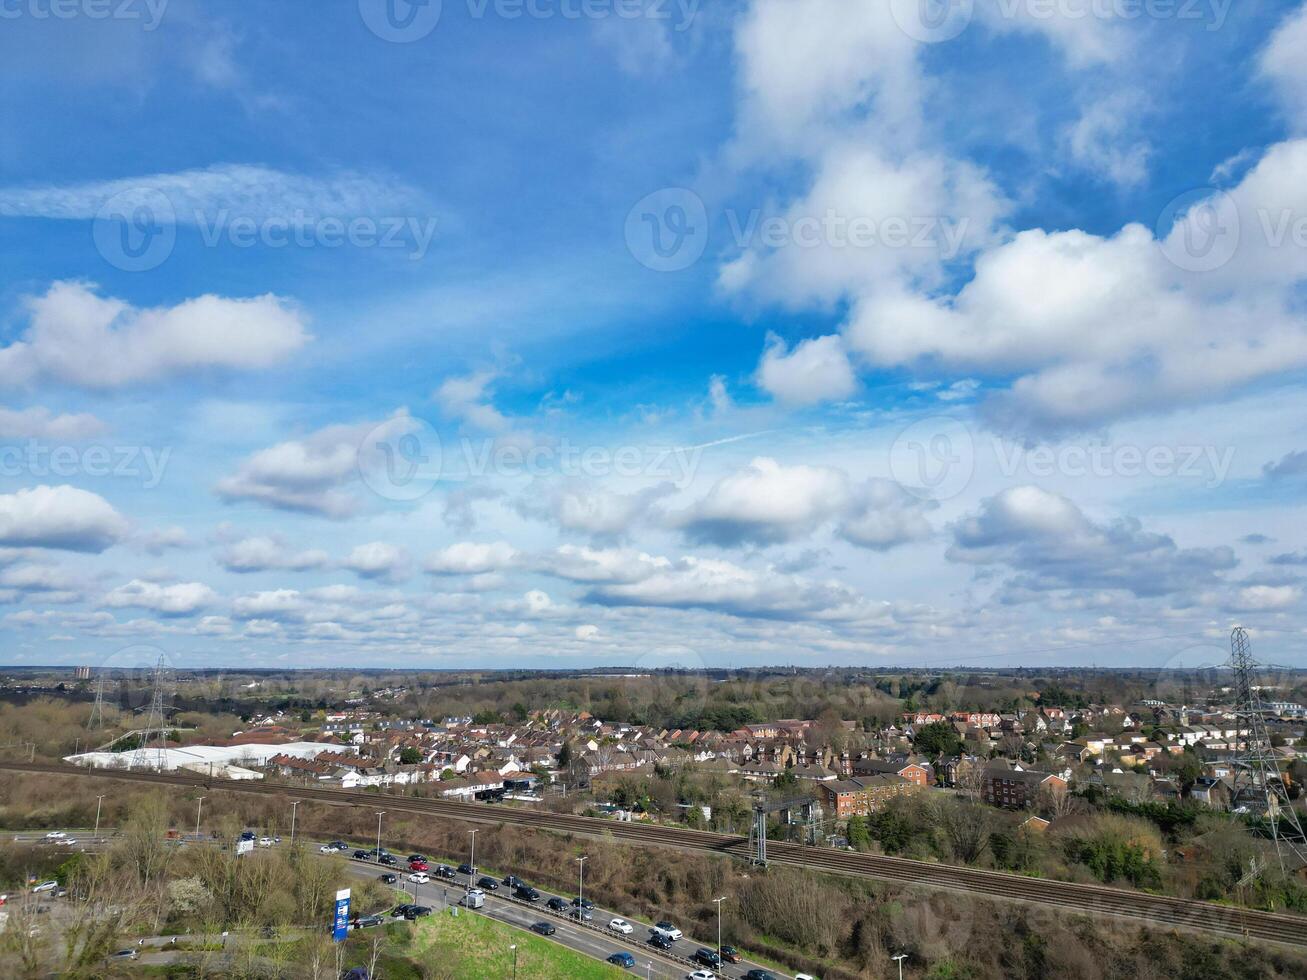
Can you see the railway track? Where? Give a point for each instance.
(1093, 900)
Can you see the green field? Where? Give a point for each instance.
(477, 948)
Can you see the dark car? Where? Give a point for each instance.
(707, 957)
(556, 904)
(526, 893)
(362, 856)
(730, 954)
(387, 859)
(512, 881)
(625, 960)
(488, 883)
(544, 928)
(339, 845)
(248, 835)
(388, 878)
(759, 975)
(367, 921)
(416, 912)
(416, 857)
(443, 871)
(585, 903)
(466, 869)
(659, 941)
(399, 911)
(581, 915)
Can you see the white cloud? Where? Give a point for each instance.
(589, 508)
(1267, 598)
(816, 370)
(473, 558)
(766, 502)
(41, 423)
(263, 553)
(181, 599)
(467, 398)
(1283, 63)
(60, 517)
(588, 631)
(1102, 141)
(882, 515)
(77, 337)
(310, 474)
(272, 604)
(378, 560)
(1051, 544)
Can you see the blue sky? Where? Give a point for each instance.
(783, 331)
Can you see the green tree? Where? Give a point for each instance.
(939, 738)
(409, 756)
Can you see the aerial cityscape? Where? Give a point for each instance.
(762, 490)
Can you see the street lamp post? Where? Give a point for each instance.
(900, 958)
(199, 805)
(98, 801)
(473, 862)
(514, 949)
(293, 805)
(580, 891)
(718, 903)
(380, 814)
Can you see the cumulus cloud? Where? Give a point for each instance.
(41, 423)
(1288, 465)
(1051, 544)
(473, 558)
(263, 553)
(816, 370)
(78, 337)
(768, 503)
(587, 631)
(588, 508)
(59, 517)
(181, 599)
(467, 398)
(378, 560)
(1282, 62)
(1266, 598)
(310, 475)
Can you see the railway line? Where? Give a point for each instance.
(1139, 907)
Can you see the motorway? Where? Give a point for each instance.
(595, 942)
(1139, 907)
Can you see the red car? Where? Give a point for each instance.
(418, 866)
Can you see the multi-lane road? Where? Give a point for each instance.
(1139, 907)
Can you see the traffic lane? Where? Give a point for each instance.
(441, 894)
(684, 947)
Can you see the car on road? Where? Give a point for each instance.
(389, 878)
(585, 903)
(624, 960)
(335, 847)
(667, 929)
(701, 975)
(526, 893)
(581, 915)
(512, 881)
(417, 857)
(556, 904)
(544, 928)
(444, 871)
(399, 911)
(759, 975)
(265, 841)
(419, 866)
(45, 886)
(730, 954)
(417, 912)
(804, 976)
(123, 954)
(247, 835)
(368, 921)
(55, 835)
(658, 941)
(707, 957)
(387, 859)
(474, 899)
(466, 869)
(70, 841)
(419, 877)
(487, 883)
(620, 925)
(362, 856)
